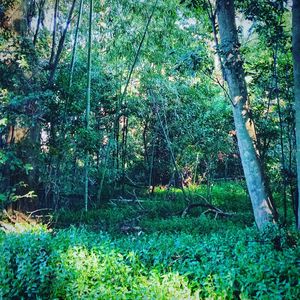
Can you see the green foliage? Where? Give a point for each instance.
(108, 219)
(175, 80)
(193, 225)
(162, 212)
(25, 272)
(75, 263)
(230, 196)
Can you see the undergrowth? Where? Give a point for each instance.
(80, 264)
(162, 211)
(199, 256)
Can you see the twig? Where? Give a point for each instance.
(37, 210)
(8, 216)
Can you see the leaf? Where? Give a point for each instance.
(3, 121)
(28, 167)
(2, 197)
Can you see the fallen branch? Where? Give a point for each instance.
(136, 199)
(219, 212)
(121, 199)
(210, 209)
(130, 182)
(35, 211)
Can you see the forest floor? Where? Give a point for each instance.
(158, 248)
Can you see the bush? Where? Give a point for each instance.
(25, 271)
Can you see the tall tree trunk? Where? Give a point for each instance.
(39, 21)
(60, 46)
(88, 108)
(264, 211)
(75, 44)
(123, 98)
(296, 58)
(54, 32)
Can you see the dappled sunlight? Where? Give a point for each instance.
(103, 272)
(17, 222)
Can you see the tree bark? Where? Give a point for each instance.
(296, 61)
(264, 211)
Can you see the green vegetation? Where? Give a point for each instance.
(126, 251)
(149, 149)
(163, 212)
(80, 264)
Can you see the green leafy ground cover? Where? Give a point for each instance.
(195, 257)
(80, 264)
(162, 211)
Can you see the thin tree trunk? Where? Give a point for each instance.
(144, 135)
(99, 192)
(124, 150)
(151, 185)
(213, 19)
(54, 32)
(290, 138)
(169, 144)
(41, 7)
(264, 211)
(60, 46)
(296, 60)
(283, 164)
(88, 107)
(123, 102)
(72, 67)
(75, 44)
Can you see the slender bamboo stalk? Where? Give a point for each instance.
(54, 32)
(75, 44)
(104, 171)
(60, 46)
(88, 107)
(283, 164)
(151, 185)
(122, 100)
(296, 63)
(169, 144)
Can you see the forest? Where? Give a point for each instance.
(150, 149)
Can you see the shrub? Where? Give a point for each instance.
(78, 264)
(24, 268)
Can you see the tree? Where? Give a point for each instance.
(296, 60)
(264, 210)
(61, 42)
(88, 106)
